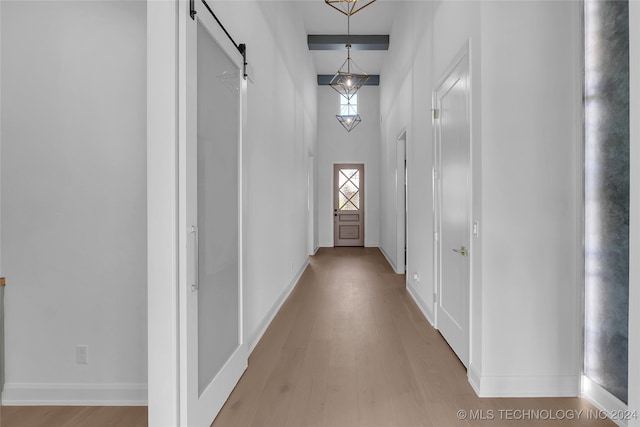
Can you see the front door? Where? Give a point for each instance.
(348, 205)
(453, 201)
(213, 355)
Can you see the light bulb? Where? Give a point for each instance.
(348, 82)
(348, 120)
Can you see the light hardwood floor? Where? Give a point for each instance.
(349, 348)
(73, 416)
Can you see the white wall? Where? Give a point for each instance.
(391, 210)
(281, 129)
(634, 254)
(525, 91)
(414, 67)
(531, 198)
(411, 109)
(74, 200)
(336, 145)
(395, 111)
(1, 272)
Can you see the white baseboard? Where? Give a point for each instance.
(389, 259)
(331, 245)
(603, 400)
(421, 304)
(473, 376)
(262, 328)
(525, 386)
(52, 394)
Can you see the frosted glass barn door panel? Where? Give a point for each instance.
(213, 355)
(218, 106)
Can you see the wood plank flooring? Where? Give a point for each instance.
(349, 348)
(74, 416)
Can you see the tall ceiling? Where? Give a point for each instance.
(319, 18)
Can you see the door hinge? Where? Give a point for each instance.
(436, 175)
(435, 236)
(435, 297)
(436, 113)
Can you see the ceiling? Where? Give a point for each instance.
(320, 18)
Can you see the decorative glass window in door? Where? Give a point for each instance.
(349, 187)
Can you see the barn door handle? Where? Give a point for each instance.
(462, 251)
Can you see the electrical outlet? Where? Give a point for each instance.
(82, 354)
(416, 277)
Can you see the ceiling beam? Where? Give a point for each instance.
(325, 79)
(338, 42)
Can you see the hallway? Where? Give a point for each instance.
(101, 243)
(350, 348)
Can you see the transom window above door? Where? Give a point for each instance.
(349, 107)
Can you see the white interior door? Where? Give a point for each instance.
(213, 355)
(453, 196)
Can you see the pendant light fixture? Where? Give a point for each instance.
(349, 7)
(349, 122)
(349, 78)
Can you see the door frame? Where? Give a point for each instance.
(193, 410)
(167, 43)
(463, 54)
(401, 203)
(163, 113)
(311, 203)
(363, 203)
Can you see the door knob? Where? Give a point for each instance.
(462, 251)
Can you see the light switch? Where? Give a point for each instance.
(476, 229)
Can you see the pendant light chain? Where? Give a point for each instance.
(348, 44)
(344, 81)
